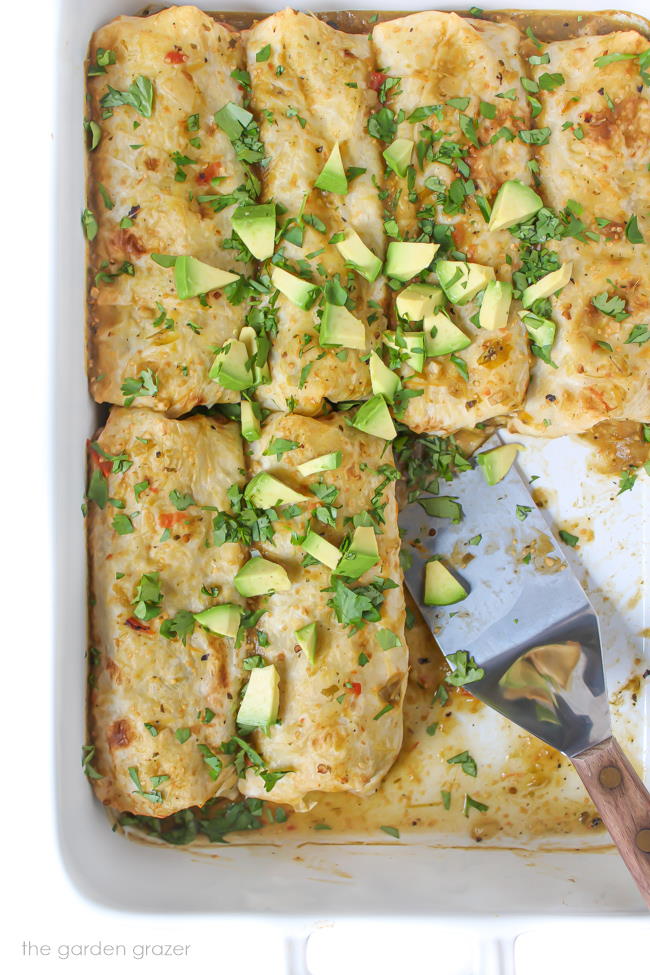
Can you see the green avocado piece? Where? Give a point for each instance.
(332, 176)
(414, 348)
(256, 356)
(419, 300)
(541, 330)
(355, 253)
(307, 639)
(406, 258)
(301, 293)
(513, 204)
(223, 619)
(442, 336)
(233, 119)
(461, 281)
(398, 155)
(373, 417)
(441, 588)
(362, 554)
(339, 327)
(325, 462)
(496, 463)
(231, 367)
(256, 227)
(261, 702)
(382, 379)
(266, 491)
(259, 577)
(251, 428)
(495, 306)
(193, 277)
(547, 285)
(322, 550)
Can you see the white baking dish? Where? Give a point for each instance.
(417, 877)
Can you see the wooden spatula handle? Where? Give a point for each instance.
(623, 803)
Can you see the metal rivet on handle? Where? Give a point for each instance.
(610, 777)
(643, 840)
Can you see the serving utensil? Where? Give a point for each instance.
(532, 632)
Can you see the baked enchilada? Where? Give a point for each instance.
(164, 178)
(320, 264)
(163, 688)
(304, 61)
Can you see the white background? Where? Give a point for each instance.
(39, 904)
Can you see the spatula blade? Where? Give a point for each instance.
(527, 622)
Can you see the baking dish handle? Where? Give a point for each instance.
(623, 803)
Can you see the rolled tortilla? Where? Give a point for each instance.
(160, 705)
(340, 719)
(310, 92)
(598, 119)
(147, 176)
(441, 58)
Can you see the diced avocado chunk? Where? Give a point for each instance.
(233, 119)
(373, 417)
(461, 280)
(382, 379)
(261, 702)
(496, 463)
(256, 227)
(398, 155)
(332, 176)
(413, 348)
(259, 577)
(442, 336)
(301, 293)
(251, 428)
(355, 253)
(547, 285)
(223, 619)
(257, 347)
(513, 204)
(419, 300)
(406, 258)
(362, 554)
(266, 491)
(192, 277)
(325, 462)
(339, 327)
(441, 588)
(541, 330)
(307, 639)
(231, 367)
(322, 550)
(495, 306)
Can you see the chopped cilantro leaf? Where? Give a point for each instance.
(465, 670)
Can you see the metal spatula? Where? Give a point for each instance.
(528, 625)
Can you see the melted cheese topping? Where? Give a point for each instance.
(323, 80)
(139, 676)
(329, 734)
(188, 57)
